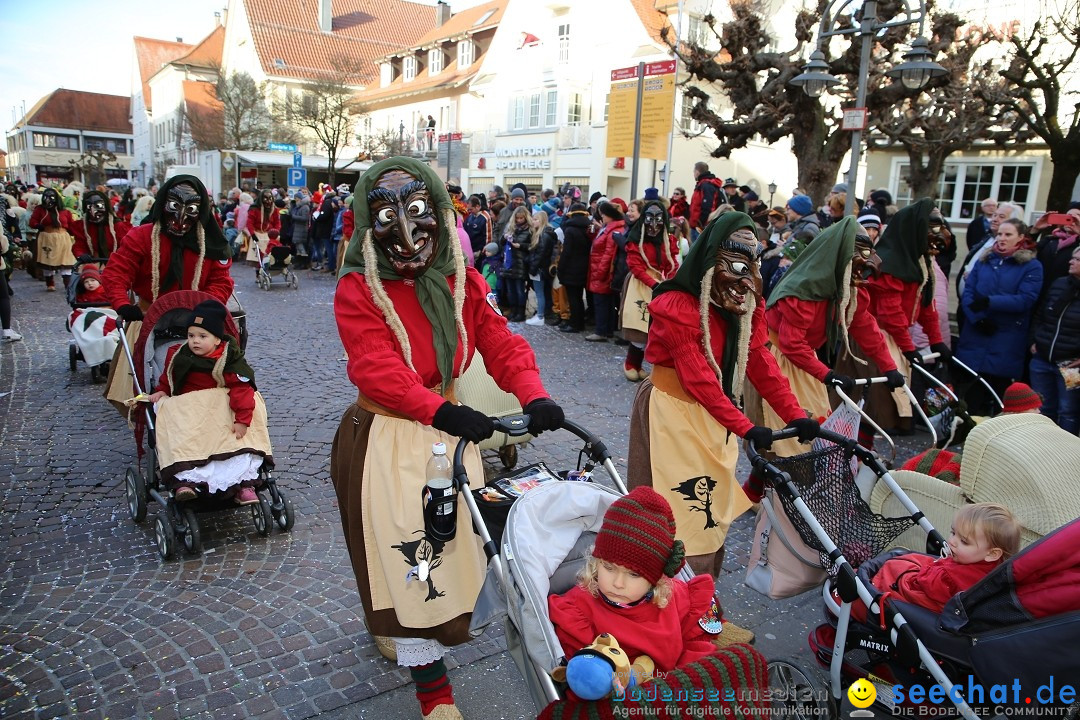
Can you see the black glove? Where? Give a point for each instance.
(980, 303)
(896, 379)
(130, 313)
(543, 414)
(986, 326)
(808, 428)
(84, 258)
(943, 350)
(760, 436)
(463, 421)
(913, 356)
(847, 384)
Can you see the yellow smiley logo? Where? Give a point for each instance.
(862, 693)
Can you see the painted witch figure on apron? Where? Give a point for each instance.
(651, 256)
(411, 316)
(820, 301)
(706, 339)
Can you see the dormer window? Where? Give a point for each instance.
(465, 53)
(279, 64)
(408, 68)
(435, 61)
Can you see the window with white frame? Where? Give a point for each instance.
(686, 122)
(465, 53)
(699, 34)
(408, 68)
(574, 108)
(564, 43)
(552, 117)
(534, 110)
(435, 61)
(964, 184)
(519, 113)
(386, 74)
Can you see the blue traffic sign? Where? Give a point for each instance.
(282, 147)
(297, 159)
(297, 177)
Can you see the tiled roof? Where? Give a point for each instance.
(651, 18)
(450, 77)
(200, 96)
(80, 110)
(152, 55)
(466, 22)
(289, 43)
(208, 52)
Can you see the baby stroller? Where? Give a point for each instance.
(165, 326)
(992, 634)
(278, 264)
(92, 327)
(948, 412)
(547, 533)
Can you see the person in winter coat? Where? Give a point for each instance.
(573, 268)
(999, 296)
(323, 230)
(516, 242)
(54, 240)
(100, 232)
(708, 194)
(1055, 247)
(601, 269)
(477, 225)
(1056, 329)
(490, 265)
(679, 205)
(301, 216)
(541, 247)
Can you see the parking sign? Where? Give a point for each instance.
(297, 177)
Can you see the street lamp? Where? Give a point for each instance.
(914, 73)
(772, 191)
(401, 138)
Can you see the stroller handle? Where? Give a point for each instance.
(518, 425)
(871, 381)
(762, 465)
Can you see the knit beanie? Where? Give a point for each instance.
(869, 218)
(1020, 398)
(210, 316)
(89, 272)
(652, 194)
(638, 533)
(941, 464)
(517, 193)
(491, 249)
(801, 204)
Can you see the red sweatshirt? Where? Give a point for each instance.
(639, 269)
(800, 327)
(129, 269)
(82, 245)
(927, 581)
(676, 341)
(241, 392)
(376, 362)
(897, 307)
(255, 219)
(41, 219)
(671, 636)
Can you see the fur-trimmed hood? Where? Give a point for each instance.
(1021, 256)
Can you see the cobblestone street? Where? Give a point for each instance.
(94, 625)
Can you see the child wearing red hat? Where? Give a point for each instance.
(628, 589)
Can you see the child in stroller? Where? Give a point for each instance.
(208, 359)
(92, 323)
(277, 260)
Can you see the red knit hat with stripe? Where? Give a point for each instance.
(639, 534)
(1020, 398)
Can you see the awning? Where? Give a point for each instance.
(311, 162)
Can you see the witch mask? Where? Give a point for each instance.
(737, 273)
(404, 223)
(267, 198)
(865, 263)
(95, 209)
(50, 199)
(938, 236)
(654, 221)
(182, 208)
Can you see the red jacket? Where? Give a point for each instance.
(800, 328)
(708, 194)
(255, 220)
(376, 363)
(602, 258)
(671, 636)
(680, 208)
(82, 246)
(656, 260)
(676, 341)
(927, 581)
(896, 306)
(41, 219)
(347, 224)
(129, 269)
(241, 391)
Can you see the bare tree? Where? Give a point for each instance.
(326, 108)
(379, 144)
(1042, 66)
(754, 79)
(91, 165)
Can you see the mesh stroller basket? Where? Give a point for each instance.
(826, 481)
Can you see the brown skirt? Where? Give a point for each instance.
(347, 458)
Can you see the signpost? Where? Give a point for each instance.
(296, 177)
(450, 154)
(297, 159)
(639, 113)
(282, 147)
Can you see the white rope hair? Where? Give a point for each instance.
(845, 312)
(382, 300)
(706, 334)
(667, 255)
(927, 276)
(459, 290)
(745, 325)
(112, 231)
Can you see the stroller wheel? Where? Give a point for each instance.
(73, 357)
(135, 489)
(294, 281)
(95, 375)
(508, 456)
(165, 535)
(262, 517)
(800, 692)
(192, 540)
(286, 517)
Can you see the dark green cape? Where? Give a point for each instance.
(902, 247)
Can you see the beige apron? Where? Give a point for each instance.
(54, 249)
(263, 239)
(635, 304)
(195, 427)
(690, 451)
(811, 395)
(393, 482)
(903, 402)
(119, 388)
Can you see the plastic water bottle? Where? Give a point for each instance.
(440, 496)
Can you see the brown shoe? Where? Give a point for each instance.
(732, 634)
(386, 647)
(444, 712)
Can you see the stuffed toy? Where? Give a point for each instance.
(597, 670)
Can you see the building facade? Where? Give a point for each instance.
(150, 55)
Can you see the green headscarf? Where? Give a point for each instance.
(431, 288)
(701, 259)
(819, 271)
(902, 247)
